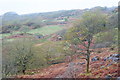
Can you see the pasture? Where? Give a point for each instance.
(46, 30)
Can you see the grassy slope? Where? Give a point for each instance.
(46, 30)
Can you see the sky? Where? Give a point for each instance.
(36, 6)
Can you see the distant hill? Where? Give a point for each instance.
(55, 14)
(13, 21)
(10, 16)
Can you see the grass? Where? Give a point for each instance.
(4, 35)
(8, 34)
(10, 40)
(46, 30)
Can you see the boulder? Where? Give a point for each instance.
(108, 77)
(118, 78)
(95, 58)
(114, 57)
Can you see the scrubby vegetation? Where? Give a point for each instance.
(61, 44)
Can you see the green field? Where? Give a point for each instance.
(8, 34)
(46, 30)
(4, 35)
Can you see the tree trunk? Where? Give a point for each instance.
(88, 62)
(23, 72)
(24, 69)
(88, 54)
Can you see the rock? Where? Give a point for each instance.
(71, 64)
(114, 57)
(95, 58)
(109, 57)
(109, 65)
(80, 63)
(108, 77)
(105, 59)
(118, 78)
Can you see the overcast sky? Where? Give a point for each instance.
(33, 6)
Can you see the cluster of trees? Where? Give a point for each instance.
(16, 57)
(10, 26)
(23, 54)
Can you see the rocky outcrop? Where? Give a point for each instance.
(113, 57)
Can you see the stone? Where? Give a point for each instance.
(105, 59)
(95, 58)
(108, 77)
(116, 59)
(71, 64)
(118, 78)
(109, 65)
(80, 63)
(116, 55)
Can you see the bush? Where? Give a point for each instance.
(21, 55)
(17, 56)
(108, 36)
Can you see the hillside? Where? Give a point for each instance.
(76, 68)
(61, 44)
